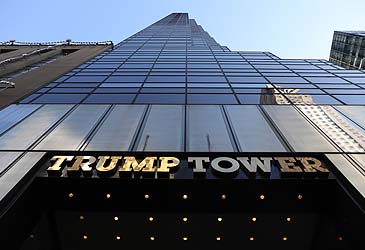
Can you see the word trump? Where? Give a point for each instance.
(157, 167)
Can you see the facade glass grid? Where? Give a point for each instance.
(179, 63)
(171, 88)
(348, 49)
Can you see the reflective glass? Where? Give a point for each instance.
(207, 130)
(60, 98)
(161, 98)
(211, 99)
(110, 98)
(86, 79)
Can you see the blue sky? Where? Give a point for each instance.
(287, 28)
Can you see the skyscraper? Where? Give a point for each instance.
(170, 139)
(348, 49)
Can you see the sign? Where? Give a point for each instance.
(168, 166)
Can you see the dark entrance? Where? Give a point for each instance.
(116, 213)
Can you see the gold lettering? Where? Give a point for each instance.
(56, 168)
(312, 164)
(59, 159)
(102, 169)
(287, 164)
(85, 166)
(167, 163)
(131, 164)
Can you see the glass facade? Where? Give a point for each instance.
(348, 49)
(179, 63)
(171, 88)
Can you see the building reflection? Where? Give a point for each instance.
(347, 135)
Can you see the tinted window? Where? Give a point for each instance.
(60, 98)
(161, 98)
(110, 98)
(211, 99)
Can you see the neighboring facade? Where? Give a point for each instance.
(348, 49)
(171, 140)
(26, 67)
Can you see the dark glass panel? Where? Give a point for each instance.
(165, 79)
(161, 98)
(60, 98)
(86, 79)
(110, 98)
(116, 90)
(211, 99)
(351, 99)
(123, 78)
(71, 90)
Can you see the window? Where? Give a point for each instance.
(163, 130)
(206, 79)
(351, 99)
(161, 98)
(69, 134)
(312, 99)
(71, 90)
(60, 98)
(121, 85)
(163, 90)
(325, 80)
(165, 79)
(299, 133)
(125, 78)
(209, 90)
(90, 79)
(286, 79)
(116, 90)
(104, 66)
(252, 130)
(260, 98)
(120, 127)
(33, 127)
(137, 65)
(234, 79)
(211, 99)
(207, 130)
(110, 98)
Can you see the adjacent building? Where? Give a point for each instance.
(26, 67)
(171, 140)
(348, 49)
